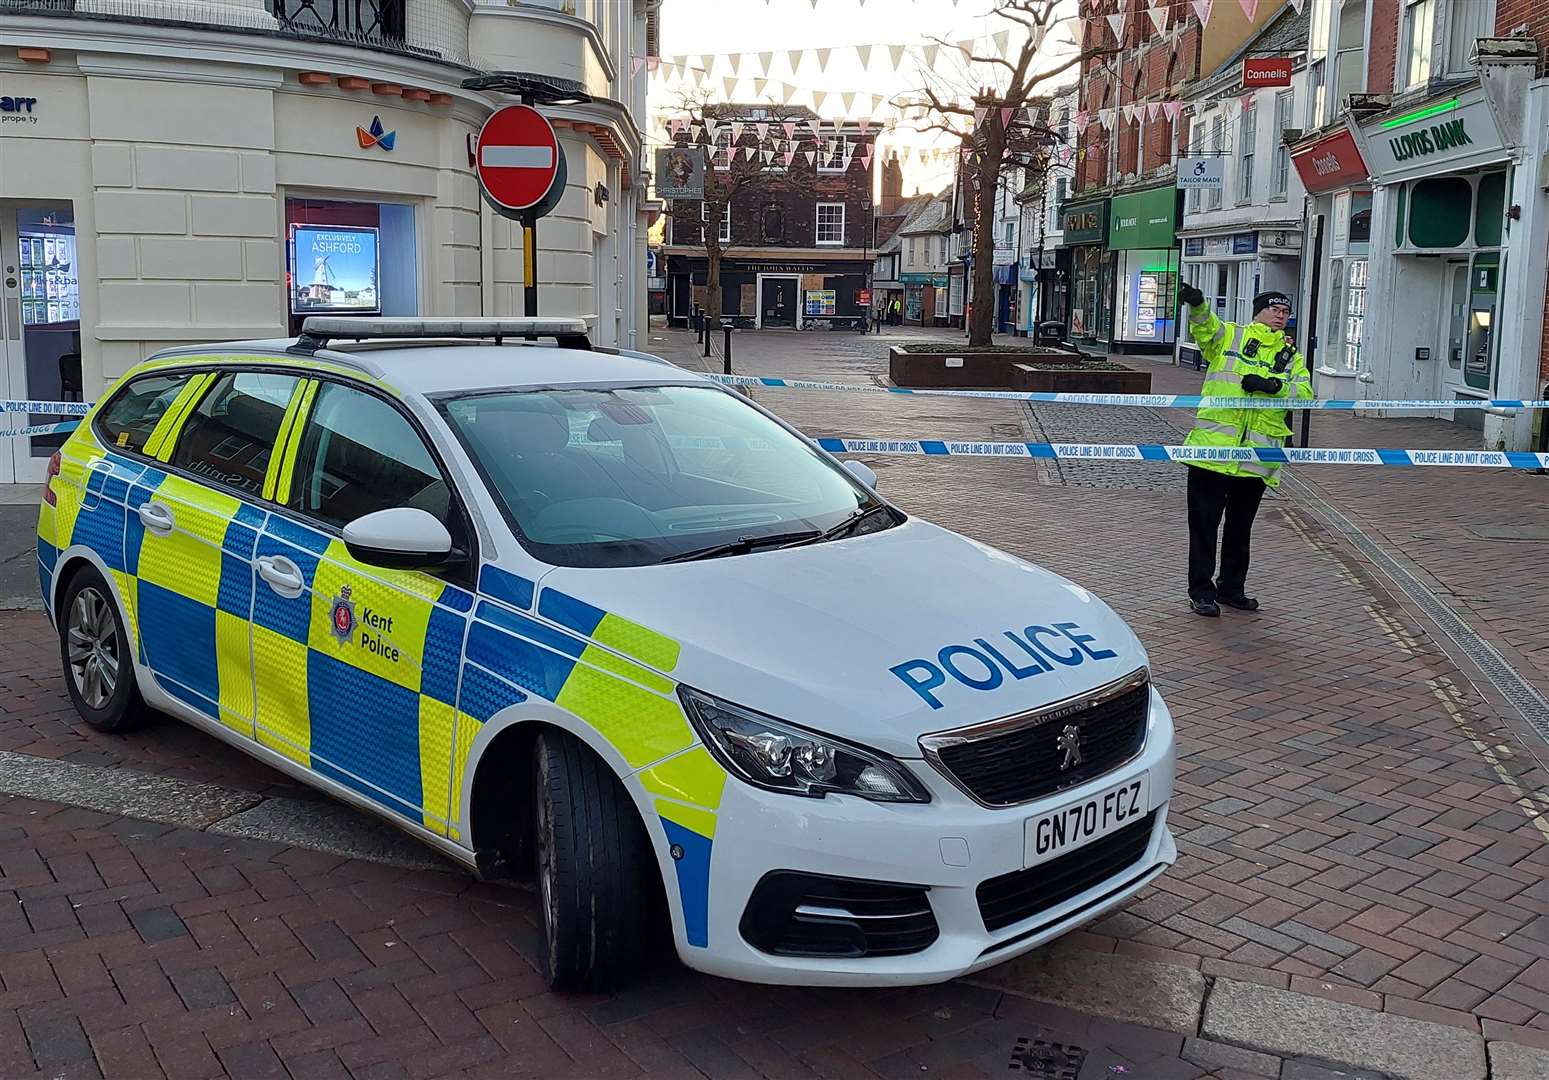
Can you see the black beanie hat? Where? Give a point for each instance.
(1271, 296)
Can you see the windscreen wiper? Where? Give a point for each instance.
(744, 544)
(849, 524)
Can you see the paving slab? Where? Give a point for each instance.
(1299, 1025)
(1135, 991)
(331, 827)
(122, 792)
(1508, 1061)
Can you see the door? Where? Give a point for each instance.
(357, 665)
(190, 536)
(40, 329)
(1455, 351)
(779, 303)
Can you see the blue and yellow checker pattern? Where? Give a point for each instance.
(389, 698)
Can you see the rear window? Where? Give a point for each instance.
(127, 421)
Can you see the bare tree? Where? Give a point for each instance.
(996, 129)
(744, 175)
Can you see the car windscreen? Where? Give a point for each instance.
(631, 477)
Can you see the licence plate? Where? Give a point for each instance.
(1067, 828)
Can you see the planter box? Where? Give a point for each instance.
(1032, 369)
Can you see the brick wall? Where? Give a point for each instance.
(1383, 55)
(1534, 14)
(796, 200)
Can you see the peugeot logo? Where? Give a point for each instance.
(1070, 742)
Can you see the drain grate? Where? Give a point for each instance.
(1046, 1060)
(1521, 694)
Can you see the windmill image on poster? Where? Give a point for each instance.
(334, 268)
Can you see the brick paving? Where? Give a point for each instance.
(1353, 817)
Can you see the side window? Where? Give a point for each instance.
(358, 455)
(128, 420)
(230, 437)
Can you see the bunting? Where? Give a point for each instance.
(1172, 109)
(823, 55)
(1116, 24)
(863, 53)
(1159, 16)
(764, 60)
(1202, 10)
(1250, 8)
(897, 54)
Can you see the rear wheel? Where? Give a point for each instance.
(94, 649)
(596, 881)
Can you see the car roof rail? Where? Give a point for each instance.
(318, 330)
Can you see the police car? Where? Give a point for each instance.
(576, 613)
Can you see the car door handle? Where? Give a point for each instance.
(283, 576)
(156, 517)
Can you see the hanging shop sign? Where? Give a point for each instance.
(1201, 173)
(1262, 72)
(1330, 163)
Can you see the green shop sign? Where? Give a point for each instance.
(1146, 219)
(1084, 222)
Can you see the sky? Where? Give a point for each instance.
(693, 28)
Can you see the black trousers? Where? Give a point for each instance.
(1212, 496)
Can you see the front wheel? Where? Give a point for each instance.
(594, 869)
(94, 649)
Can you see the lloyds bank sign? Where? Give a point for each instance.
(1444, 135)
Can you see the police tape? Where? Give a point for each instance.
(1496, 459)
(47, 408)
(1145, 401)
(40, 429)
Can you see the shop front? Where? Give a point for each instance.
(1438, 250)
(1142, 240)
(1085, 229)
(766, 294)
(1231, 267)
(1054, 286)
(1336, 267)
(925, 299)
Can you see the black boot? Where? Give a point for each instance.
(1207, 608)
(1240, 602)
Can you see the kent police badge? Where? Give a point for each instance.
(342, 616)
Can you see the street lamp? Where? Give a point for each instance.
(531, 88)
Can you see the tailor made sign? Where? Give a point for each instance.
(1202, 173)
(1441, 137)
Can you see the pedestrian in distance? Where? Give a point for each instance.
(1252, 362)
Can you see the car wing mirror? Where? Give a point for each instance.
(862, 472)
(401, 538)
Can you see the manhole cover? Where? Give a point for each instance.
(1006, 432)
(1047, 1061)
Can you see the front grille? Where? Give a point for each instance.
(1022, 894)
(1024, 762)
(796, 914)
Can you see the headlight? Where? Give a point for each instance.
(783, 757)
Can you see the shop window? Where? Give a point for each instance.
(1468, 21)
(1283, 106)
(350, 258)
(1349, 52)
(1418, 41)
(704, 217)
(1439, 209)
(1491, 207)
(830, 223)
(1354, 314)
(1247, 144)
(1360, 218)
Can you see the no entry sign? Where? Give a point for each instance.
(516, 157)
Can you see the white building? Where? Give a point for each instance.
(1044, 287)
(178, 168)
(923, 244)
(1246, 237)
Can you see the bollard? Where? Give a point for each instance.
(707, 336)
(726, 353)
(699, 325)
(1306, 427)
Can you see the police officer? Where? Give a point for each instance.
(1255, 361)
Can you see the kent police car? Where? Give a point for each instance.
(580, 614)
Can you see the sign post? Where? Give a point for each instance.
(521, 171)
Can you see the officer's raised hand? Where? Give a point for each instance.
(1189, 296)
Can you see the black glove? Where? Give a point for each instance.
(1189, 295)
(1258, 384)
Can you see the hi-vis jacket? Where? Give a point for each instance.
(1227, 348)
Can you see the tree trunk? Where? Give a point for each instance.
(981, 322)
(713, 286)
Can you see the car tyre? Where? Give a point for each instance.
(95, 654)
(593, 868)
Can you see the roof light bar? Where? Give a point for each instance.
(318, 330)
